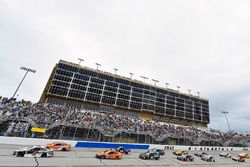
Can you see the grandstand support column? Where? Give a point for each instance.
(63, 125)
(99, 136)
(61, 132)
(87, 87)
(27, 71)
(87, 137)
(26, 130)
(74, 133)
(103, 89)
(76, 130)
(120, 137)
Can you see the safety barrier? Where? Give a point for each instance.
(111, 145)
(88, 144)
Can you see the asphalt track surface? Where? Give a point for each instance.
(86, 157)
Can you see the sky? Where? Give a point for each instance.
(202, 45)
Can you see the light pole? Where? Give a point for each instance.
(97, 65)
(189, 91)
(80, 60)
(144, 78)
(155, 81)
(178, 88)
(167, 85)
(115, 70)
(198, 93)
(27, 71)
(225, 114)
(131, 75)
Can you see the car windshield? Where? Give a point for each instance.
(32, 147)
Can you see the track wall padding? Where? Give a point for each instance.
(111, 145)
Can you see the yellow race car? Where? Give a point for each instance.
(180, 152)
(244, 155)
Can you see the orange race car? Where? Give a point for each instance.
(109, 154)
(59, 146)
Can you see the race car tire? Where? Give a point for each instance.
(44, 155)
(20, 154)
(117, 157)
(64, 149)
(156, 158)
(103, 157)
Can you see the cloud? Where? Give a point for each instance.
(199, 45)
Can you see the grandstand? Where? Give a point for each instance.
(79, 103)
(80, 87)
(18, 117)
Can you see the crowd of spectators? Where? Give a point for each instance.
(23, 114)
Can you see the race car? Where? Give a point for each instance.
(121, 149)
(244, 155)
(180, 152)
(150, 155)
(200, 154)
(225, 154)
(186, 157)
(34, 151)
(59, 146)
(109, 154)
(159, 151)
(208, 158)
(238, 159)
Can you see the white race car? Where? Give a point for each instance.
(208, 158)
(34, 151)
(224, 154)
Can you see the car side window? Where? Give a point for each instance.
(42, 149)
(30, 151)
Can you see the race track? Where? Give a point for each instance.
(86, 157)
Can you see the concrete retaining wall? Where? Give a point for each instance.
(35, 141)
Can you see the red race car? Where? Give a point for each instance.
(239, 159)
